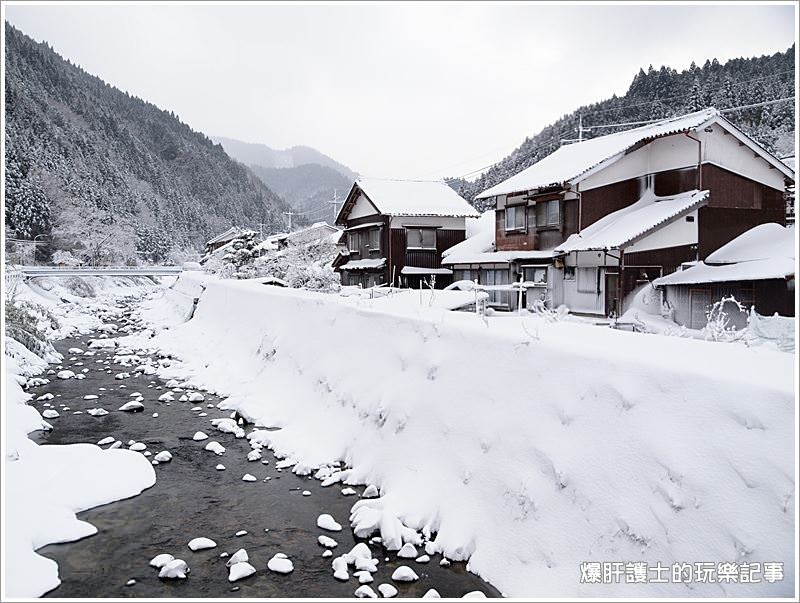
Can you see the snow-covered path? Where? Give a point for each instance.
(192, 498)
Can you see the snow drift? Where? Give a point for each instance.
(525, 446)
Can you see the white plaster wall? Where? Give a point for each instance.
(361, 208)
(679, 232)
(724, 151)
(449, 223)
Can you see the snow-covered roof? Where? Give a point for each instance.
(480, 237)
(763, 252)
(366, 264)
(624, 226)
(573, 162)
(413, 270)
(232, 232)
(761, 242)
(498, 257)
(413, 198)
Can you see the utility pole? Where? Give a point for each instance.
(580, 127)
(335, 202)
(290, 214)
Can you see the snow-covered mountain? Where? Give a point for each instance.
(305, 177)
(89, 165)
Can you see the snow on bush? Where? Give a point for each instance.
(526, 456)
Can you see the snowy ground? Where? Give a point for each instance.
(524, 445)
(45, 486)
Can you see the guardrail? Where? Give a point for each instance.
(32, 271)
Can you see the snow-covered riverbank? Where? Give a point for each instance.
(526, 446)
(45, 486)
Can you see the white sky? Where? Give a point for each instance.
(406, 91)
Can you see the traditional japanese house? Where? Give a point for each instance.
(757, 269)
(598, 218)
(396, 230)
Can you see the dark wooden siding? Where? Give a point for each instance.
(599, 202)
(513, 241)
(670, 259)
(732, 191)
(400, 257)
(367, 220)
(767, 297)
(397, 254)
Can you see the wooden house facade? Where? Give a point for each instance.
(601, 217)
(396, 230)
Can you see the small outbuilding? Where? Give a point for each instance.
(757, 268)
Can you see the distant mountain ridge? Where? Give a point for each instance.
(90, 165)
(305, 177)
(660, 93)
(253, 153)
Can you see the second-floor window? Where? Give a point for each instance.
(548, 213)
(421, 238)
(365, 243)
(515, 217)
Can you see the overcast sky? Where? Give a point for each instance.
(392, 91)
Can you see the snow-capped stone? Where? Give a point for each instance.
(130, 582)
(165, 456)
(215, 447)
(365, 592)
(175, 569)
(241, 533)
(431, 548)
(196, 397)
(91, 397)
(65, 374)
(432, 594)
(422, 559)
(199, 436)
(306, 492)
(220, 467)
(106, 440)
(254, 455)
(155, 415)
(132, 406)
(408, 551)
(161, 560)
(370, 492)
(238, 557)
(116, 444)
(475, 594)
(249, 478)
(327, 553)
(196, 408)
(339, 566)
(121, 376)
(167, 397)
(280, 564)
(183, 398)
(327, 542)
(172, 383)
(387, 591)
(404, 574)
(198, 544)
(50, 414)
(326, 522)
(359, 551)
(444, 562)
(228, 426)
(240, 570)
(348, 491)
(75, 351)
(365, 564)
(138, 446)
(43, 397)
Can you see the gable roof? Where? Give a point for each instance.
(408, 198)
(574, 162)
(229, 234)
(625, 226)
(764, 252)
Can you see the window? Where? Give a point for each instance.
(497, 277)
(375, 240)
(537, 275)
(465, 275)
(569, 273)
(587, 280)
(421, 238)
(352, 242)
(515, 217)
(548, 213)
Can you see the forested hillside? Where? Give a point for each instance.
(659, 93)
(91, 167)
